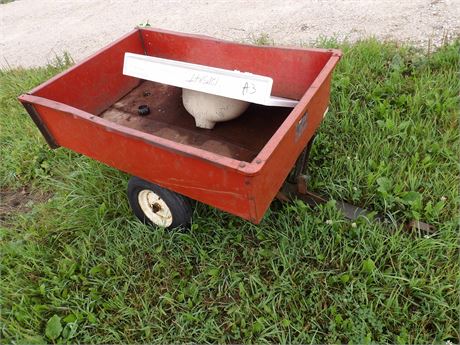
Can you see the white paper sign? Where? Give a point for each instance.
(222, 82)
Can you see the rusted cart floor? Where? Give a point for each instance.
(240, 139)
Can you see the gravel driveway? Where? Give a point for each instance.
(33, 31)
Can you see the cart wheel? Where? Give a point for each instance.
(155, 205)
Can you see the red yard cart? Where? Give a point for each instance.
(239, 166)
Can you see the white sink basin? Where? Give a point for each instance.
(207, 109)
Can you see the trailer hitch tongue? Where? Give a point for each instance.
(299, 191)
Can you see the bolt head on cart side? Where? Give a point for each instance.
(238, 167)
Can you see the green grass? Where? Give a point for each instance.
(79, 268)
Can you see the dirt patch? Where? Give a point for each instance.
(13, 201)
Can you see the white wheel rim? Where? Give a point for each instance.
(154, 208)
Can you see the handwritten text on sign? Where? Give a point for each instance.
(213, 80)
(233, 84)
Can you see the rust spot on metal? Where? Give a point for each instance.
(302, 184)
(281, 196)
(156, 207)
(421, 226)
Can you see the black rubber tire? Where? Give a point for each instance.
(179, 205)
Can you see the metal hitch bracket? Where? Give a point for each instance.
(296, 187)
